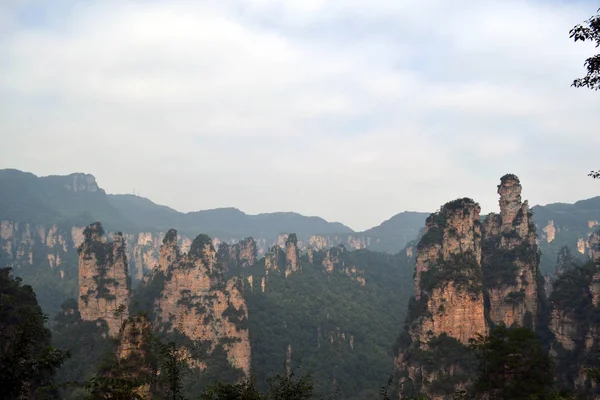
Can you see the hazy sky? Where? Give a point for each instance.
(350, 110)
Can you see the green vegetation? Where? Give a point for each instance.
(500, 265)
(513, 365)
(286, 386)
(28, 361)
(435, 233)
(589, 31)
(337, 328)
(452, 362)
(462, 269)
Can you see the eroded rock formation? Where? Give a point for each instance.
(511, 259)
(134, 353)
(292, 255)
(468, 276)
(104, 286)
(199, 302)
(448, 307)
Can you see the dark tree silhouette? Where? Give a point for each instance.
(589, 31)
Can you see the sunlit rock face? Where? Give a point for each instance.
(468, 275)
(199, 302)
(511, 259)
(104, 286)
(449, 299)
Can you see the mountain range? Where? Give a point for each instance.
(77, 200)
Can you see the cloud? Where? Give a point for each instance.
(350, 110)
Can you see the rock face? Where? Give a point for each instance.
(292, 255)
(104, 286)
(511, 259)
(449, 300)
(468, 276)
(275, 259)
(575, 301)
(332, 261)
(239, 255)
(133, 353)
(199, 302)
(550, 231)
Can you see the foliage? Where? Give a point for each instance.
(589, 31)
(513, 365)
(280, 387)
(462, 270)
(500, 265)
(109, 388)
(435, 233)
(86, 342)
(452, 361)
(28, 361)
(337, 328)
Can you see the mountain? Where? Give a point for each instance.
(72, 199)
(392, 235)
(334, 313)
(470, 276)
(223, 221)
(570, 225)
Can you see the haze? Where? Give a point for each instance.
(349, 110)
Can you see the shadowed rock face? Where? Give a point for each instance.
(104, 288)
(133, 352)
(199, 302)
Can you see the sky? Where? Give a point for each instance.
(345, 109)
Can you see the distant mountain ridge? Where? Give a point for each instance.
(77, 200)
(222, 221)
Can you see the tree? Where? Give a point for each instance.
(589, 31)
(281, 387)
(513, 365)
(27, 359)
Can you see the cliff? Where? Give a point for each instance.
(292, 255)
(448, 307)
(133, 353)
(468, 277)
(199, 302)
(511, 259)
(574, 323)
(104, 285)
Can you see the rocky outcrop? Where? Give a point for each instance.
(468, 276)
(275, 259)
(594, 245)
(333, 261)
(448, 306)
(549, 231)
(511, 259)
(104, 286)
(575, 305)
(134, 354)
(239, 255)
(292, 255)
(564, 261)
(448, 273)
(199, 302)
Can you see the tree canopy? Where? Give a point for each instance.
(589, 31)
(27, 359)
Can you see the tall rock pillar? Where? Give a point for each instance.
(104, 286)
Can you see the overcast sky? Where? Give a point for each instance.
(349, 110)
